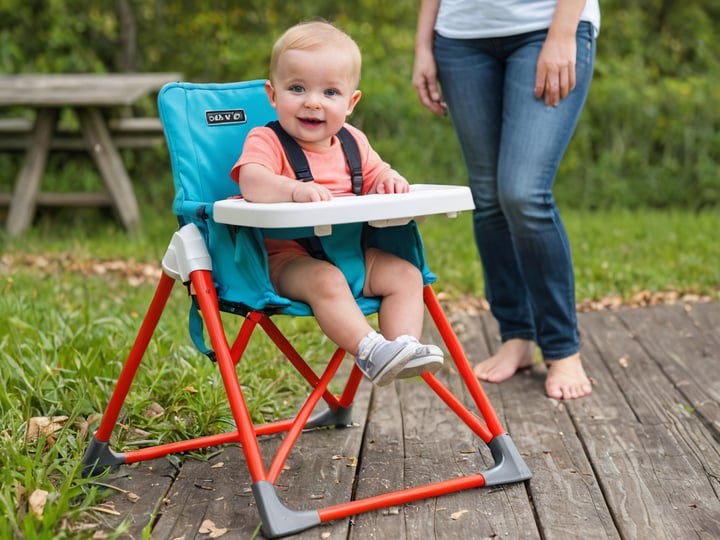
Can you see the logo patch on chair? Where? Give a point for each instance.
(232, 116)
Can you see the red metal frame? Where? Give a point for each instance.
(486, 426)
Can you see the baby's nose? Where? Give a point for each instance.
(312, 102)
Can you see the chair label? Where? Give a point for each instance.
(232, 116)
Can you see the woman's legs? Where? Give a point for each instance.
(512, 144)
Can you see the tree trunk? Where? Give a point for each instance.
(126, 58)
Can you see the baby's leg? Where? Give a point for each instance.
(324, 288)
(399, 283)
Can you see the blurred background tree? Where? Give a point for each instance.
(649, 136)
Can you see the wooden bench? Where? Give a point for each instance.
(126, 133)
(91, 96)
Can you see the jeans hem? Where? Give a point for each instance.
(561, 355)
(517, 335)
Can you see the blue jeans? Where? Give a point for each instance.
(512, 144)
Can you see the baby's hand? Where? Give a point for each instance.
(310, 192)
(392, 182)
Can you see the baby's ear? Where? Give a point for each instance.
(356, 95)
(270, 91)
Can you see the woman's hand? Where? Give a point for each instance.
(555, 73)
(425, 81)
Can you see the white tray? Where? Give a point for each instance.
(378, 210)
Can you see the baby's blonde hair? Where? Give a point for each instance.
(314, 35)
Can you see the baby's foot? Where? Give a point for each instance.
(427, 358)
(381, 360)
(513, 355)
(566, 378)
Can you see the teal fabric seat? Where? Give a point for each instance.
(205, 127)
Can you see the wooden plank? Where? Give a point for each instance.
(134, 124)
(653, 479)
(323, 467)
(381, 466)
(138, 494)
(217, 489)
(438, 447)
(73, 199)
(70, 143)
(565, 494)
(112, 169)
(320, 472)
(22, 206)
(16, 126)
(412, 439)
(620, 462)
(129, 124)
(80, 89)
(684, 341)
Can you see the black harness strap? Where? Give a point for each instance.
(352, 155)
(294, 153)
(300, 164)
(301, 167)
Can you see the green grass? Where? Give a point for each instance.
(616, 253)
(64, 335)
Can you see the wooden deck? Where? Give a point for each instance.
(638, 458)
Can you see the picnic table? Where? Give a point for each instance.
(90, 96)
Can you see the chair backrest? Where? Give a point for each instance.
(205, 127)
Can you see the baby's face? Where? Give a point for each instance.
(313, 92)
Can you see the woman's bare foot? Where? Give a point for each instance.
(566, 378)
(513, 355)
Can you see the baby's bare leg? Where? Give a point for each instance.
(324, 288)
(399, 284)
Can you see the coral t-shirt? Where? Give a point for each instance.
(328, 166)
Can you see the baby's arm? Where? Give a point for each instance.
(260, 184)
(390, 182)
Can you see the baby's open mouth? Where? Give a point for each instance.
(311, 121)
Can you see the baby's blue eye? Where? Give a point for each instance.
(296, 88)
(331, 92)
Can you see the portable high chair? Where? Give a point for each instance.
(218, 252)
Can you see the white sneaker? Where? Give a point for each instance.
(426, 358)
(385, 359)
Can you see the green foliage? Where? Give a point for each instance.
(649, 136)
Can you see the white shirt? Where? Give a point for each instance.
(469, 19)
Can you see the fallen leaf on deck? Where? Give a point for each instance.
(623, 362)
(457, 515)
(208, 527)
